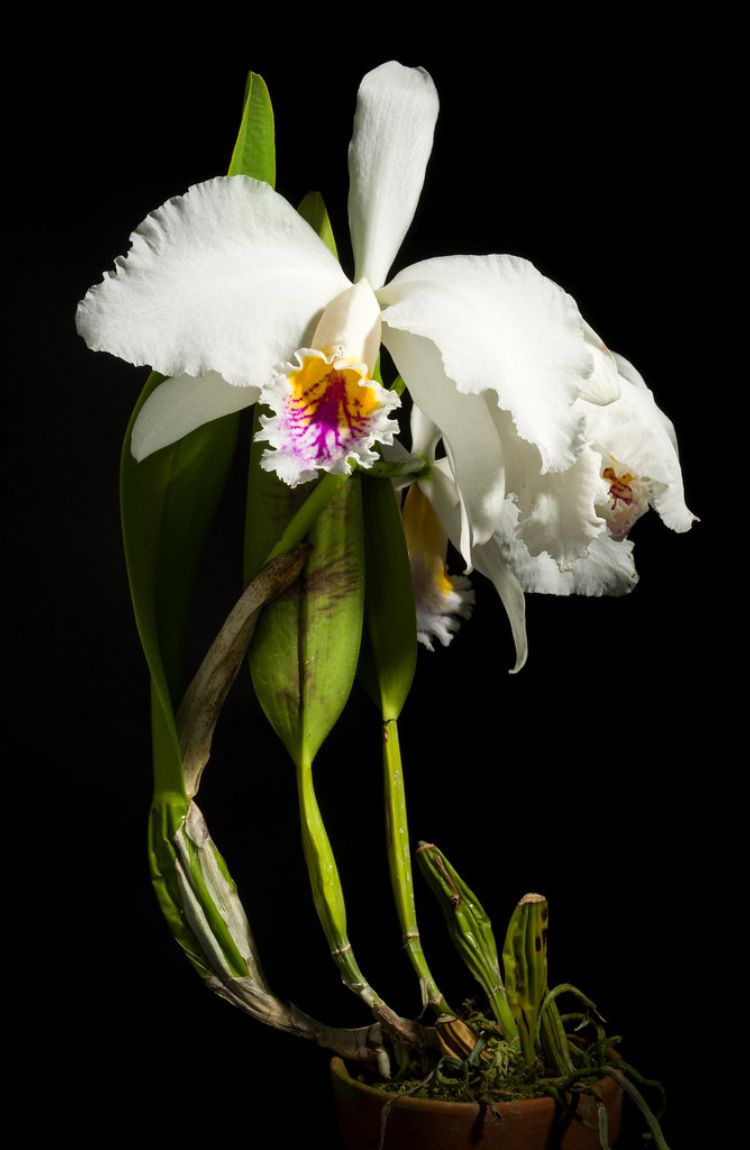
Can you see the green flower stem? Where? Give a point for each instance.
(326, 887)
(399, 864)
(201, 904)
(414, 466)
(329, 904)
(322, 494)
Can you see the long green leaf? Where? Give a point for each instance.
(169, 500)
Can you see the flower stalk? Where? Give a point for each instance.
(400, 868)
(391, 659)
(326, 888)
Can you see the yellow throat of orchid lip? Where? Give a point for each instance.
(329, 414)
(627, 498)
(620, 486)
(333, 397)
(425, 537)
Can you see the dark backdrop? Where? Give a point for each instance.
(575, 777)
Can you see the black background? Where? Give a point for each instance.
(575, 777)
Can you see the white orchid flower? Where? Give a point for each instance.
(229, 293)
(566, 532)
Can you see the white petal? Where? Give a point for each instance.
(470, 437)
(607, 568)
(227, 278)
(603, 385)
(425, 434)
(557, 509)
(500, 324)
(640, 437)
(181, 404)
(490, 561)
(394, 124)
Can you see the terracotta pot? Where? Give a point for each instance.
(422, 1124)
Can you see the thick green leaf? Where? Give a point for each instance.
(390, 613)
(168, 502)
(255, 150)
(169, 499)
(304, 654)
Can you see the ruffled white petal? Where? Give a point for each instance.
(603, 385)
(179, 405)
(634, 432)
(606, 569)
(557, 509)
(469, 435)
(439, 614)
(227, 278)
(499, 324)
(394, 125)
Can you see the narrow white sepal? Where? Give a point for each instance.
(179, 405)
(394, 123)
(470, 438)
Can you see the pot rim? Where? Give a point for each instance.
(339, 1070)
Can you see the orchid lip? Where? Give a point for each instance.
(327, 416)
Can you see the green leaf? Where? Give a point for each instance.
(255, 150)
(168, 502)
(390, 612)
(313, 210)
(304, 654)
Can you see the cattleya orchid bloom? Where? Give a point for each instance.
(566, 532)
(228, 292)
(552, 446)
